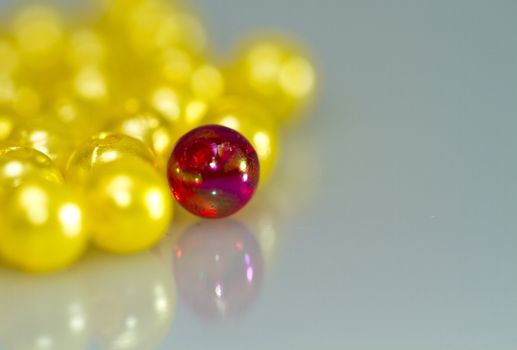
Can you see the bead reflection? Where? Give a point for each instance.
(113, 302)
(48, 312)
(218, 268)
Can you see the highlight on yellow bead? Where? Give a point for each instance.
(43, 226)
(17, 164)
(103, 148)
(129, 205)
(278, 72)
(253, 121)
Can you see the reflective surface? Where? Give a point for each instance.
(398, 229)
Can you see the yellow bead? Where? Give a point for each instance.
(9, 59)
(155, 25)
(46, 135)
(182, 111)
(90, 84)
(176, 66)
(207, 82)
(17, 164)
(151, 129)
(253, 121)
(279, 73)
(7, 126)
(43, 227)
(130, 205)
(38, 31)
(103, 148)
(85, 47)
(79, 118)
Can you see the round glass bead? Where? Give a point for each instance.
(213, 171)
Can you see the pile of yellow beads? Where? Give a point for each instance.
(91, 108)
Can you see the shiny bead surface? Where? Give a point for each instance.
(254, 122)
(279, 73)
(129, 205)
(17, 164)
(104, 148)
(213, 171)
(43, 227)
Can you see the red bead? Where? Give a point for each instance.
(213, 171)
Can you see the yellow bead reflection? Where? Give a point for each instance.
(17, 164)
(104, 148)
(279, 73)
(43, 227)
(253, 121)
(149, 128)
(130, 205)
(132, 299)
(52, 309)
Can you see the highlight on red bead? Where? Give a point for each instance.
(213, 171)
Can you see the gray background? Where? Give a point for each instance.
(395, 206)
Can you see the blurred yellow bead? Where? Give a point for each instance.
(104, 148)
(9, 59)
(39, 32)
(155, 25)
(130, 205)
(85, 47)
(253, 121)
(90, 84)
(207, 82)
(26, 102)
(7, 90)
(7, 126)
(149, 128)
(46, 135)
(80, 119)
(279, 73)
(17, 164)
(43, 227)
(176, 65)
(182, 110)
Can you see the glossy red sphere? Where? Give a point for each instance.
(213, 171)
